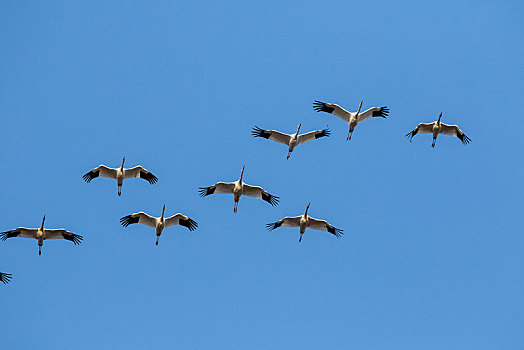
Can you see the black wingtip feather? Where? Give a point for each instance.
(152, 179)
(273, 225)
(320, 106)
(76, 239)
(90, 175)
(5, 278)
(189, 223)
(258, 132)
(128, 220)
(336, 231)
(271, 199)
(206, 191)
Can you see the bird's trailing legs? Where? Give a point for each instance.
(288, 155)
(119, 190)
(235, 207)
(350, 132)
(434, 141)
(300, 238)
(39, 250)
(157, 238)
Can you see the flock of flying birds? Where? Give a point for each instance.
(237, 188)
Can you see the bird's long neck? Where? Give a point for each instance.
(42, 227)
(298, 130)
(305, 214)
(163, 210)
(440, 116)
(122, 166)
(359, 107)
(241, 175)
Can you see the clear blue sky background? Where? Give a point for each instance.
(432, 255)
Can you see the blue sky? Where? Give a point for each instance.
(432, 255)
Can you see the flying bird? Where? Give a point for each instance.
(239, 188)
(305, 221)
(41, 234)
(5, 277)
(351, 118)
(437, 127)
(120, 174)
(290, 140)
(159, 224)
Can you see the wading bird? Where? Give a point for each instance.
(437, 127)
(41, 234)
(5, 277)
(290, 140)
(120, 174)
(305, 221)
(351, 118)
(159, 224)
(239, 188)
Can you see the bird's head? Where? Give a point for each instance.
(242, 172)
(298, 129)
(359, 107)
(123, 160)
(307, 208)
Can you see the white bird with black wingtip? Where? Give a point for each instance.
(239, 188)
(120, 174)
(436, 128)
(41, 234)
(353, 119)
(290, 140)
(159, 224)
(304, 221)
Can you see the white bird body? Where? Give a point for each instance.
(239, 188)
(290, 140)
(120, 174)
(159, 224)
(41, 234)
(352, 119)
(436, 128)
(303, 222)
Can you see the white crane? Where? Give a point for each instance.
(159, 224)
(239, 188)
(437, 127)
(5, 277)
(351, 118)
(290, 140)
(305, 221)
(120, 174)
(41, 234)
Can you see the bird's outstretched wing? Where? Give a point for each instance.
(179, 219)
(333, 109)
(63, 234)
(420, 129)
(313, 135)
(258, 192)
(373, 112)
(272, 135)
(19, 232)
(139, 171)
(453, 130)
(323, 225)
(218, 188)
(139, 218)
(100, 170)
(288, 221)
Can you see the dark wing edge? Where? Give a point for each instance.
(90, 175)
(206, 191)
(9, 234)
(383, 112)
(320, 106)
(258, 132)
(5, 277)
(189, 223)
(273, 200)
(129, 219)
(321, 133)
(76, 239)
(274, 225)
(462, 137)
(335, 231)
(410, 134)
(152, 179)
